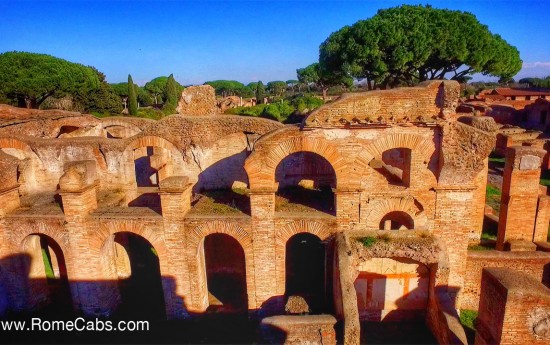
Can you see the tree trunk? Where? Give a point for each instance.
(325, 89)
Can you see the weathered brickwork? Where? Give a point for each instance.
(399, 164)
(514, 309)
(519, 194)
(533, 263)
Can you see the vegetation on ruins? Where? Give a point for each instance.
(171, 95)
(288, 110)
(132, 97)
(28, 79)
(260, 92)
(409, 44)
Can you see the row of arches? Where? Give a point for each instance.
(135, 263)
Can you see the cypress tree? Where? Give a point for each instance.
(171, 95)
(132, 97)
(260, 93)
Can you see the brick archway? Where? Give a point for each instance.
(150, 140)
(197, 269)
(108, 229)
(416, 143)
(58, 234)
(380, 208)
(262, 163)
(281, 238)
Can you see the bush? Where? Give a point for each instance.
(368, 241)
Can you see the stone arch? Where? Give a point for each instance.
(173, 166)
(418, 144)
(15, 144)
(103, 263)
(380, 208)
(29, 163)
(108, 229)
(58, 234)
(261, 165)
(109, 122)
(197, 269)
(150, 140)
(284, 234)
(42, 274)
(420, 156)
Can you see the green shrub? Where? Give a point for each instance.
(367, 241)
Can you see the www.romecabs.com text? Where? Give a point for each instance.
(79, 325)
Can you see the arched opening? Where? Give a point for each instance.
(305, 181)
(225, 274)
(151, 165)
(305, 270)
(48, 283)
(396, 220)
(66, 130)
(395, 166)
(395, 291)
(137, 267)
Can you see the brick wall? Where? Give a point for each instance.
(514, 309)
(536, 264)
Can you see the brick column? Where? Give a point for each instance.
(78, 187)
(543, 219)
(175, 199)
(262, 204)
(520, 189)
(347, 208)
(453, 221)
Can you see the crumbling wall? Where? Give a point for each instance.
(197, 101)
(514, 308)
(535, 264)
(424, 103)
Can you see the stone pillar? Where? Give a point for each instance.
(518, 205)
(78, 187)
(453, 221)
(348, 203)
(175, 198)
(262, 204)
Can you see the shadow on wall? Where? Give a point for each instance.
(226, 173)
(202, 328)
(150, 200)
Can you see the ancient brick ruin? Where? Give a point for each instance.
(365, 211)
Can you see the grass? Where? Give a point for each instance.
(492, 197)
(223, 202)
(481, 247)
(47, 264)
(368, 241)
(467, 319)
(545, 178)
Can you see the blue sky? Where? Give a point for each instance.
(242, 40)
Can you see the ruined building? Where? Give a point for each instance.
(365, 210)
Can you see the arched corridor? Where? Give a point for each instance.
(305, 270)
